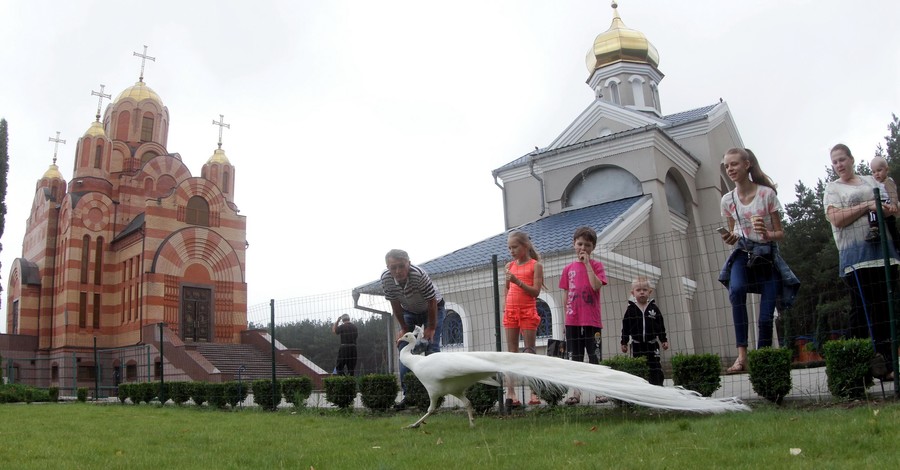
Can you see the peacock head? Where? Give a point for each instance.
(412, 337)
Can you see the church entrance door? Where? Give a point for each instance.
(196, 305)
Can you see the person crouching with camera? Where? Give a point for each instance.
(753, 214)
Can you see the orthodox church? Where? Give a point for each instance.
(650, 185)
(132, 247)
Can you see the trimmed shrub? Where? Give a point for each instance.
(378, 391)
(147, 391)
(416, 395)
(697, 372)
(216, 393)
(198, 393)
(296, 390)
(484, 396)
(123, 391)
(235, 393)
(134, 392)
(262, 394)
(847, 367)
(770, 372)
(179, 392)
(340, 390)
(82, 394)
(53, 394)
(632, 365)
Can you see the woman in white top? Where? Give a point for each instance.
(753, 214)
(848, 201)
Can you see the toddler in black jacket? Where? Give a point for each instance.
(643, 326)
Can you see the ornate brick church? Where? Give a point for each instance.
(133, 240)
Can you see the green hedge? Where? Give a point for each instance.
(198, 392)
(236, 393)
(340, 390)
(416, 395)
(484, 396)
(632, 365)
(847, 367)
(770, 372)
(697, 372)
(378, 391)
(179, 392)
(296, 390)
(262, 394)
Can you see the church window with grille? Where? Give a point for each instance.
(545, 329)
(197, 211)
(452, 334)
(602, 184)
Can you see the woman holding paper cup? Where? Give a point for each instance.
(753, 215)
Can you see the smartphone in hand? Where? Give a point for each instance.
(722, 231)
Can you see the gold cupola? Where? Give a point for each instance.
(53, 172)
(139, 92)
(96, 130)
(219, 157)
(620, 44)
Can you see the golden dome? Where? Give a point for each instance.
(219, 157)
(620, 44)
(139, 92)
(96, 130)
(53, 172)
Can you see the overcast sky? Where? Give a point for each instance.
(361, 126)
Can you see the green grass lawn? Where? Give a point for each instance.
(77, 435)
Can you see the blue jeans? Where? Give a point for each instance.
(765, 280)
(413, 320)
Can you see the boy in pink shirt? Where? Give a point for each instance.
(582, 280)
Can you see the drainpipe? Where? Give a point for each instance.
(531, 170)
(503, 190)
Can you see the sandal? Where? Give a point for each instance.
(736, 368)
(572, 401)
(534, 401)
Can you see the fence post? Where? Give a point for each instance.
(162, 367)
(496, 282)
(890, 287)
(272, 333)
(96, 371)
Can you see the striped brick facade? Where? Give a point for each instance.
(133, 239)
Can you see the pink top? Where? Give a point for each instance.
(515, 295)
(582, 302)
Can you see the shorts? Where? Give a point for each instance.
(523, 317)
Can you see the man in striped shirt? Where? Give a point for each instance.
(415, 301)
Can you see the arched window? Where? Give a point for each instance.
(197, 211)
(654, 98)
(146, 157)
(98, 156)
(599, 185)
(225, 179)
(674, 197)
(98, 262)
(147, 129)
(545, 329)
(614, 92)
(85, 258)
(637, 89)
(452, 334)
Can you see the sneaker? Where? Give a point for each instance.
(401, 406)
(873, 235)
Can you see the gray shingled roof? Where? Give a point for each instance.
(550, 235)
(690, 115)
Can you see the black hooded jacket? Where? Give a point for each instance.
(643, 327)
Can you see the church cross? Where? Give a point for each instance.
(57, 141)
(222, 125)
(100, 101)
(144, 58)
